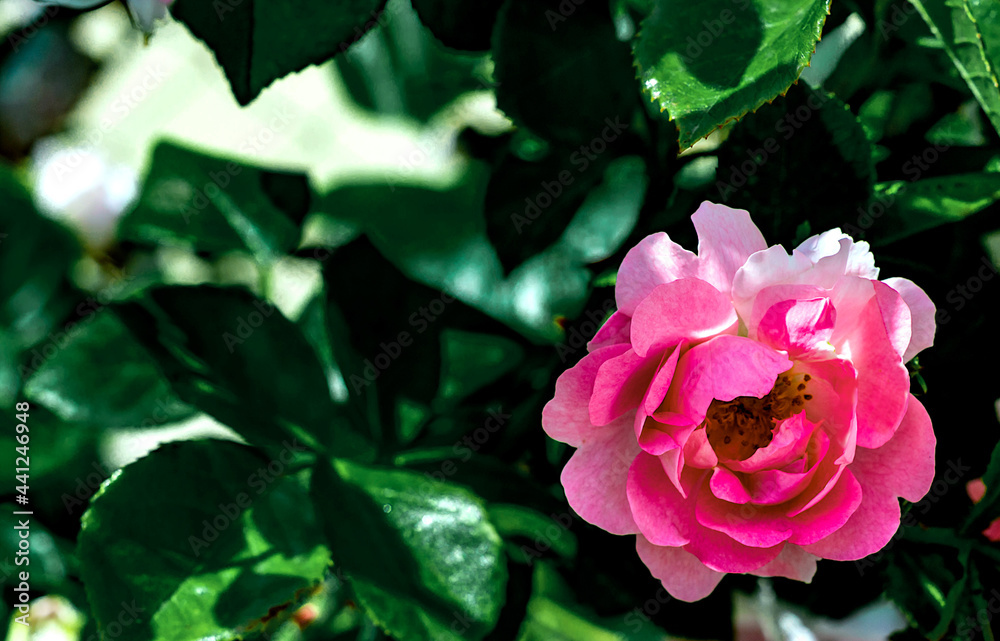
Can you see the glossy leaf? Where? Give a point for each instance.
(439, 573)
(707, 63)
(912, 207)
(257, 42)
(219, 348)
(400, 68)
(204, 540)
(968, 29)
(216, 205)
(101, 375)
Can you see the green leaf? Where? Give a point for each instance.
(202, 539)
(421, 555)
(49, 558)
(529, 204)
(962, 128)
(257, 42)
(979, 604)
(216, 205)
(104, 377)
(971, 36)
(220, 348)
(575, 97)
(901, 208)
(928, 583)
(551, 618)
(401, 70)
(32, 290)
(543, 531)
(707, 63)
(470, 361)
(391, 344)
(460, 24)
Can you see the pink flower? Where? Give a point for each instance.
(977, 490)
(747, 410)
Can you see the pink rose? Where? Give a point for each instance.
(746, 410)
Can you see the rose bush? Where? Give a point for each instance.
(745, 410)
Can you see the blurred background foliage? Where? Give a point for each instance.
(373, 269)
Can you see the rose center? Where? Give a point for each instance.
(738, 428)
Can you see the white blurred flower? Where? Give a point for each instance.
(763, 617)
(51, 618)
(78, 188)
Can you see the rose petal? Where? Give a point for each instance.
(791, 437)
(657, 506)
(921, 316)
(566, 417)
(904, 466)
(728, 487)
(895, 316)
(798, 326)
(620, 385)
(772, 266)
(656, 260)
(793, 563)
(756, 526)
(698, 452)
(596, 475)
(682, 574)
(723, 368)
(687, 308)
(883, 382)
(614, 330)
(774, 294)
(726, 239)
(830, 513)
(770, 487)
(650, 434)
